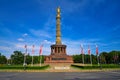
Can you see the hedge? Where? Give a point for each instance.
(27, 67)
(96, 67)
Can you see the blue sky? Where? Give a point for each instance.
(86, 22)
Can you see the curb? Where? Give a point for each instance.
(104, 70)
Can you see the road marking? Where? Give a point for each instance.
(115, 72)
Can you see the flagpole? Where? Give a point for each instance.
(40, 60)
(83, 58)
(40, 54)
(98, 60)
(91, 59)
(24, 64)
(32, 54)
(89, 53)
(97, 55)
(82, 52)
(32, 60)
(25, 55)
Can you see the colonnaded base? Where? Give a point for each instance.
(58, 55)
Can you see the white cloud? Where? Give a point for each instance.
(19, 45)
(47, 42)
(45, 51)
(6, 42)
(73, 46)
(40, 33)
(25, 34)
(50, 23)
(20, 39)
(5, 48)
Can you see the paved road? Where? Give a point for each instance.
(111, 75)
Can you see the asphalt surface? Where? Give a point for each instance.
(108, 75)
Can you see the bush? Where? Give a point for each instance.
(37, 67)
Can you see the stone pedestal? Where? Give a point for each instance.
(58, 55)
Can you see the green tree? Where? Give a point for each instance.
(87, 59)
(115, 56)
(77, 58)
(94, 59)
(118, 57)
(3, 59)
(42, 59)
(111, 57)
(104, 57)
(28, 59)
(36, 59)
(17, 57)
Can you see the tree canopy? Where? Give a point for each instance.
(3, 59)
(112, 57)
(17, 57)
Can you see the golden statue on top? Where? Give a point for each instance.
(58, 12)
(58, 9)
